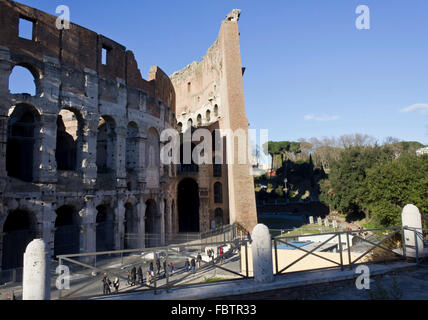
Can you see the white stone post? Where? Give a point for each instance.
(36, 277)
(311, 220)
(262, 254)
(411, 218)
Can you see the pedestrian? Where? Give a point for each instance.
(128, 274)
(106, 285)
(116, 284)
(187, 265)
(220, 253)
(158, 266)
(140, 275)
(148, 278)
(193, 264)
(164, 267)
(199, 259)
(171, 268)
(133, 276)
(151, 269)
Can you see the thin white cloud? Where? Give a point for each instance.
(323, 118)
(418, 107)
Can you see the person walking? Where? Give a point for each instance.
(106, 285)
(128, 274)
(193, 264)
(199, 259)
(158, 266)
(133, 276)
(116, 284)
(187, 265)
(171, 268)
(148, 278)
(140, 275)
(151, 269)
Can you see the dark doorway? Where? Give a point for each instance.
(67, 231)
(20, 144)
(105, 229)
(153, 232)
(218, 214)
(131, 228)
(19, 231)
(188, 206)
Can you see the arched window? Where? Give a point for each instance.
(208, 115)
(216, 110)
(67, 231)
(23, 81)
(106, 142)
(189, 123)
(218, 193)
(21, 141)
(199, 120)
(180, 127)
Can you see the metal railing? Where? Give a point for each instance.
(345, 249)
(88, 274)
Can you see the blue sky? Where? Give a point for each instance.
(310, 71)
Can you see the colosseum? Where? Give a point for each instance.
(80, 158)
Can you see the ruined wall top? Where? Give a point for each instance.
(78, 49)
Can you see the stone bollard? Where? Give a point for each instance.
(262, 254)
(411, 218)
(311, 220)
(36, 276)
(319, 220)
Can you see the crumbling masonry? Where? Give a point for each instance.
(79, 160)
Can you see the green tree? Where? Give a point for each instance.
(345, 188)
(390, 186)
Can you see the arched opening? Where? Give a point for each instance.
(131, 227)
(208, 115)
(188, 206)
(218, 193)
(216, 110)
(180, 127)
(153, 230)
(189, 123)
(22, 135)
(153, 158)
(218, 216)
(23, 81)
(68, 132)
(105, 228)
(199, 120)
(67, 231)
(19, 230)
(132, 152)
(106, 143)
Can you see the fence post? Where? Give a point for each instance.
(341, 251)
(276, 256)
(154, 263)
(262, 254)
(416, 245)
(349, 250)
(246, 258)
(403, 240)
(167, 271)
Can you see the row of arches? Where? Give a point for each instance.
(23, 143)
(21, 227)
(199, 119)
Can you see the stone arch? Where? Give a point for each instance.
(199, 120)
(19, 229)
(152, 225)
(218, 192)
(216, 114)
(69, 140)
(67, 231)
(106, 145)
(22, 141)
(132, 148)
(24, 79)
(130, 227)
(105, 220)
(188, 205)
(208, 115)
